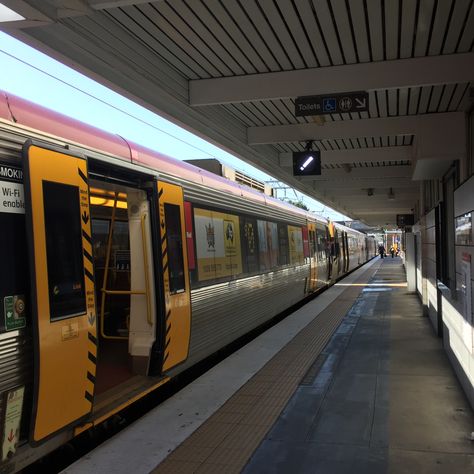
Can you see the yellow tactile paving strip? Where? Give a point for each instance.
(226, 441)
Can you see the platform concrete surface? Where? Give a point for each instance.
(382, 397)
(142, 446)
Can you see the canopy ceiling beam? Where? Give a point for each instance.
(434, 124)
(399, 171)
(326, 186)
(394, 74)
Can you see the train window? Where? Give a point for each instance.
(62, 218)
(272, 237)
(295, 237)
(267, 244)
(283, 248)
(13, 255)
(321, 244)
(175, 248)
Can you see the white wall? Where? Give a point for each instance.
(458, 320)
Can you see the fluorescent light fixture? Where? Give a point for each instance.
(7, 14)
(306, 163)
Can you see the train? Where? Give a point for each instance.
(122, 267)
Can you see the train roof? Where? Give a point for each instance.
(28, 114)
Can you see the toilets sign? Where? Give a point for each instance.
(332, 104)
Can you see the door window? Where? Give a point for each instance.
(64, 250)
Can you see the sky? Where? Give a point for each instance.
(36, 77)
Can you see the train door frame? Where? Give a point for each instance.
(102, 171)
(176, 324)
(135, 263)
(342, 252)
(348, 255)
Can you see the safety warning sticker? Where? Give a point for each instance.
(11, 428)
(14, 311)
(12, 198)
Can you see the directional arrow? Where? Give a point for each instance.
(9, 314)
(360, 103)
(91, 319)
(162, 223)
(85, 217)
(11, 436)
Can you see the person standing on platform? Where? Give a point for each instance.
(381, 250)
(392, 251)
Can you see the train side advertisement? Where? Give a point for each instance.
(267, 244)
(295, 238)
(217, 244)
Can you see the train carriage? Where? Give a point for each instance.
(123, 267)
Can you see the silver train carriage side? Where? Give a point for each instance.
(122, 267)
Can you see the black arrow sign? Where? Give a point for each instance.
(91, 319)
(85, 217)
(162, 223)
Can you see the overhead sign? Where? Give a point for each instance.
(332, 104)
(307, 163)
(405, 219)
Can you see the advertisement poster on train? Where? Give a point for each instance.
(268, 244)
(217, 244)
(250, 245)
(272, 237)
(295, 238)
(262, 245)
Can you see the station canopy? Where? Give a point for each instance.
(232, 70)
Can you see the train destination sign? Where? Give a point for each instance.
(332, 104)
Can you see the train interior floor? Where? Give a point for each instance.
(357, 383)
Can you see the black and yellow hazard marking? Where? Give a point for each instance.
(90, 369)
(164, 259)
(83, 176)
(177, 305)
(91, 377)
(66, 343)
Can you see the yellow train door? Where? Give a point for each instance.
(62, 286)
(176, 286)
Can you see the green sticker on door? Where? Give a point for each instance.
(14, 311)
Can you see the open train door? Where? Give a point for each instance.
(62, 286)
(177, 291)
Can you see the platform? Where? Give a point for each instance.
(355, 381)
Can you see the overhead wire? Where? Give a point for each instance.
(92, 96)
